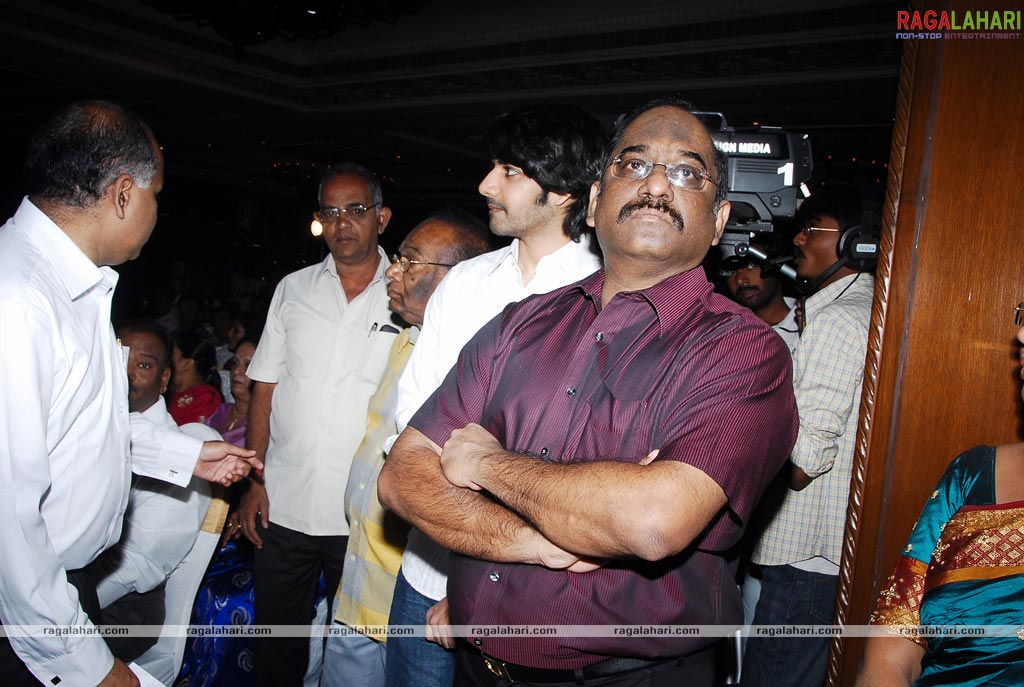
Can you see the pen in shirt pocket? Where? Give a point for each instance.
(373, 328)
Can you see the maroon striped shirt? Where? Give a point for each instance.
(674, 367)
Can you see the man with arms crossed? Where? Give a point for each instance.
(92, 173)
(555, 409)
(544, 159)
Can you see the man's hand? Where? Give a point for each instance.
(224, 463)
(556, 558)
(120, 675)
(439, 625)
(462, 453)
(253, 511)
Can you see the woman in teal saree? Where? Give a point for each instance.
(963, 565)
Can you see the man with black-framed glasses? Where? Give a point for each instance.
(321, 357)
(356, 652)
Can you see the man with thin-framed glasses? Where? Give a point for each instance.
(321, 356)
(798, 553)
(596, 451)
(356, 653)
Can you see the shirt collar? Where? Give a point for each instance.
(566, 257)
(157, 413)
(78, 273)
(836, 289)
(671, 298)
(328, 266)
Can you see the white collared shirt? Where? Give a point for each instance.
(64, 440)
(160, 526)
(470, 296)
(326, 356)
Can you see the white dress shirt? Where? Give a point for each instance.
(326, 356)
(64, 440)
(469, 296)
(160, 526)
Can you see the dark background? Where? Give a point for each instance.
(252, 99)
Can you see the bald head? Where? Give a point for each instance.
(442, 240)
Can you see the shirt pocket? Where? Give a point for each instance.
(618, 428)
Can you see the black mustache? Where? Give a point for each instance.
(661, 205)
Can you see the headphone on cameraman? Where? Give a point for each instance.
(859, 244)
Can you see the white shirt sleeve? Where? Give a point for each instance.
(160, 529)
(272, 351)
(33, 585)
(163, 453)
(419, 378)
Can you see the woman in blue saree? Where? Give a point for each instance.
(963, 565)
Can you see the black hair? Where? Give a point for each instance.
(154, 329)
(472, 240)
(719, 159)
(848, 204)
(560, 146)
(197, 346)
(82, 149)
(346, 168)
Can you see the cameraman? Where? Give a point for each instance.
(800, 549)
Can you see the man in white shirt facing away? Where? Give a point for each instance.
(544, 159)
(92, 174)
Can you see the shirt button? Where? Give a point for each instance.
(494, 576)
(598, 336)
(544, 451)
(478, 642)
(571, 391)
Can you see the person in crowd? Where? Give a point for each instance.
(756, 284)
(162, 520)
(230, 418)
(377, 536)
(594, 454)
(961, 566)
(544, 160)
(320, 358)
(92, 174)
(225, 597)
(799, 550)
(195, 382)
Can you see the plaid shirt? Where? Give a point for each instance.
(376, 536)
(828, 370)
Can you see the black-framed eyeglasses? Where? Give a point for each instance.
(405, 263)
(331, 215)
(685, 175)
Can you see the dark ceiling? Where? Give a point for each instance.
(253, 100)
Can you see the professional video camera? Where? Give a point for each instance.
(767, 169)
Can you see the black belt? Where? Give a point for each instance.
(606, 668)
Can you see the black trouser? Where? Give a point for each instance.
(695, 670)
(135, 609)
(288, 567)
(13, 672)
